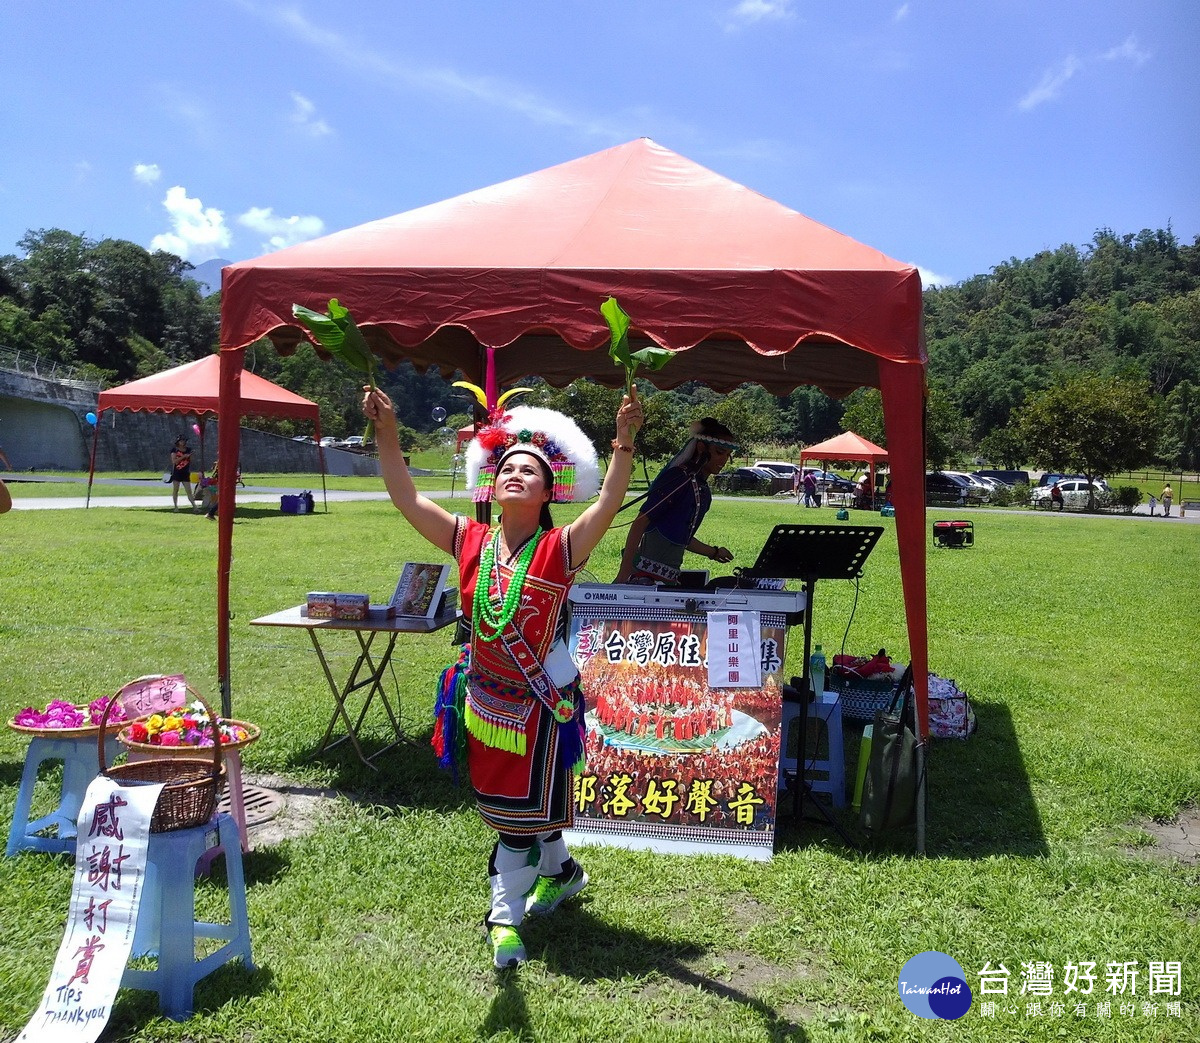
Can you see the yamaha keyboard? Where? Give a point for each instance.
(636, 598)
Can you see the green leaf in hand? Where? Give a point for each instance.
(618, 328)
(618, 350)
(338, 334)
(653, 358)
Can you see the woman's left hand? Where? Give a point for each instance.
(629, 419)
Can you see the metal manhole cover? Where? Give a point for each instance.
(261, 804)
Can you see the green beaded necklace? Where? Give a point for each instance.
(511, 598)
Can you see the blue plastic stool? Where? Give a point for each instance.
(833, 770)
(166, 924)
(80, 766)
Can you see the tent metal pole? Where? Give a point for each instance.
(92, 465)
(228, 448)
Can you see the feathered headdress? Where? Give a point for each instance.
(552, 436)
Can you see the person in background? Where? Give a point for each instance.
(675, 506)
(1166, 498)
(1056, 497)
(810, 488)
(862, 492)
(181, 471)
(512, 700)
(208, 493)
(1153, 503)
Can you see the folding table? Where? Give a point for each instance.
(367, 672)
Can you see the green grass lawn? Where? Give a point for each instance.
(1076, 638)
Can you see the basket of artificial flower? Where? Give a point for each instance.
(185, 729)
(64, 720)
(191, 783)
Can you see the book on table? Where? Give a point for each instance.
(419, 590)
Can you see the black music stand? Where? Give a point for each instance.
(810, 553)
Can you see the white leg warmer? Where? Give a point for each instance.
(511, 878)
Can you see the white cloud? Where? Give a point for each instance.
(901, 13)
(280, 231)
(751, 12)
(198, 233)
(1128, 51)
(1051, 84)
(1055, 79)
(304, 117)
(83, 172)
(931, 278)
(146, 173)
(361, 60)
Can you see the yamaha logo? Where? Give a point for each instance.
(599, 596)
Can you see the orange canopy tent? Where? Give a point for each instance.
(195, 388)
(507, 281)
(847, 446)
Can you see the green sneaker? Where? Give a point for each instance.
(507, 948)
(550, 892)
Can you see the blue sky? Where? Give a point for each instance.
(951, 135)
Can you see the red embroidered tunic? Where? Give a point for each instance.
(516, 792)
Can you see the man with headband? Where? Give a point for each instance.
(675, 506)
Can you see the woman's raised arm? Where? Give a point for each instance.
(433, 522)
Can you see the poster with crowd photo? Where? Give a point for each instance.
(675, 764)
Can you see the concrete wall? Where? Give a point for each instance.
(43, 427)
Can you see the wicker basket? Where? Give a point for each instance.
(192, 784)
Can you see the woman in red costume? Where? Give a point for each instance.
(513, 702)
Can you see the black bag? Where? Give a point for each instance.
(892, 785)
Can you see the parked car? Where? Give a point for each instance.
(1075, 494)
(744, 479)
(329, 442)
(778, 467)
(946, 489)
(992, 483)
(1007, 477)
(978, 490)
(828, 481)
(1050, 477)
(353, 442)
(303, 438)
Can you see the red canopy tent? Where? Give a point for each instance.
(846, 446)
(195, 388)
(509, 279)
(464, 435)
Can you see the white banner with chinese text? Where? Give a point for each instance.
(110, 867)
(734, 659)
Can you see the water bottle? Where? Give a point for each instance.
(816, 671)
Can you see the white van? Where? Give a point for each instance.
(779, 467)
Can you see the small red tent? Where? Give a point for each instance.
(465, 434)
(507, 281)
(847, 446)
(195, 388)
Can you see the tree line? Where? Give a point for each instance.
(1072, 336)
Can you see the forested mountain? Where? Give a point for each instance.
(111, 308)
(1123, 305)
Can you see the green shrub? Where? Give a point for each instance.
(1127, 497)
(1002, 497)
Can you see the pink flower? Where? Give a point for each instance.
(169, 739)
